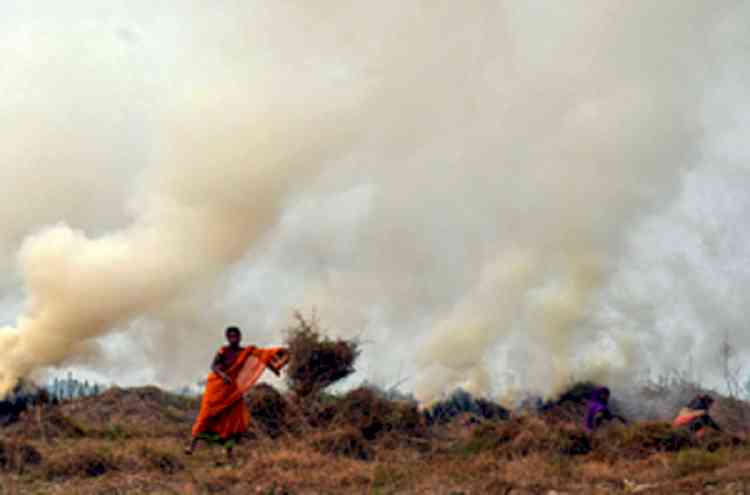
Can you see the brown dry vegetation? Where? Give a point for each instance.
(129, 441)
(522, 455)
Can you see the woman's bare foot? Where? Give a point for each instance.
(191, 446)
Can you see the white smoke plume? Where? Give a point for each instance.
(227, 141)
(464, 182)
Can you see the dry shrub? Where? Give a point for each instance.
(732, 414)
(140, 411)
(560, 438)
(24, 396)
(116, 432)
(60, 425)
(714, 440)
(518, 437)
(693, 461)
(364, 409)
(389, 478)
(16, 456)
(50, 422)
(165, 461)
(84, 462)
(491, 410)
(29, 455)
(641, 440)
(476, 445)
(500, 486)
(570, 441)
(319, 411)
(461, 402)
(525, 443)
(529, 435)
(579, 393)
(531, 473)
(594, 471)
(347, 442)
(570, 406)
(269, 410)
(315, 360)
(525, 436)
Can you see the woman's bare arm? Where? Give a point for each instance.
(216, 367)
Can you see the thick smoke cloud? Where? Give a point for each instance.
(224, 152)
(463, 185)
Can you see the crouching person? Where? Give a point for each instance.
(598, 412)
(695, 416)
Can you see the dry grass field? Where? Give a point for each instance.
(309, 441)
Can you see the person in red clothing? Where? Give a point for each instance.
(695, 416)
(235, 369)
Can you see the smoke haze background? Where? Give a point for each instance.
(476, 189)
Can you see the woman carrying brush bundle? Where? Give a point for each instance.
(235, 369)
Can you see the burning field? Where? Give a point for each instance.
(503, 207)
(310, 440)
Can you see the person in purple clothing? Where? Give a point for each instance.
(597, 410)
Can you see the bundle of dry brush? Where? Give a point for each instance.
(316, 361)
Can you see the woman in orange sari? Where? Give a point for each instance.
(235, 369)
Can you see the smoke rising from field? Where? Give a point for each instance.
(224, 152)
(459, 181)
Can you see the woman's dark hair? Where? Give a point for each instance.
(232, 330)
(701, 402)
(600, 394)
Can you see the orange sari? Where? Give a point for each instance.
(223, 409)
(686, 416)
